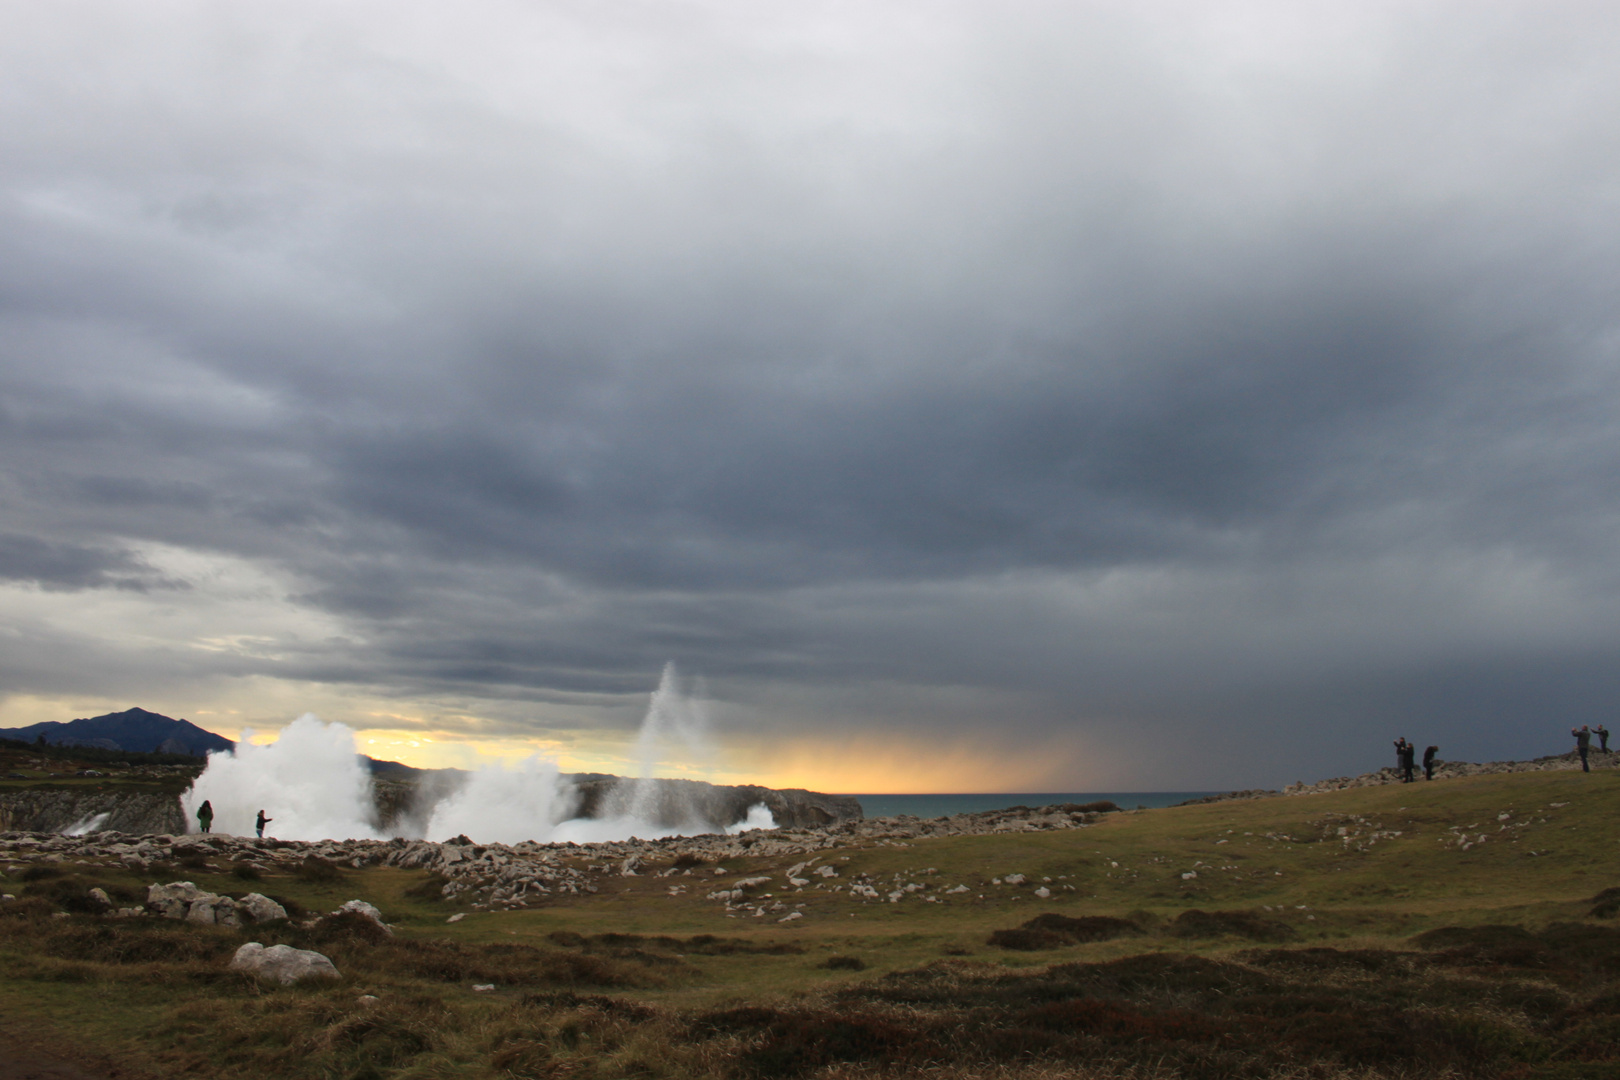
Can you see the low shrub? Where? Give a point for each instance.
(1083, 929)
(844, 963)
(317, 870)
(27, 908)
(1244, 924)
(72, 893)
(1027, 940)
(1324, 959)
(1605, 905)
(796, 1044)
(135, 941)
(348, 928)
(1102, 807)
(430, 888)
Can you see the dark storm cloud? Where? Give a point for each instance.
(70, 566)
(1241, 375)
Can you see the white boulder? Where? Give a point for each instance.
(282, 963)
(360, 907)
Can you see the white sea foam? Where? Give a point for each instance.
(88, 824)
(759, 817)
(314, 785)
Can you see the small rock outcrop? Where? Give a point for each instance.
(365, 911)
(183, 900)
(260, 908)
(282, 963)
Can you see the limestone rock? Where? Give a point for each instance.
(209, 909)
(360, 907)
(174, 900)
(282, 963)
(260, 908)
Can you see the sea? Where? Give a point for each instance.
(932, 806)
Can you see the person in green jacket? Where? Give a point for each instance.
(205, 816)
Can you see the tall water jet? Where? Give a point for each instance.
(676, 727)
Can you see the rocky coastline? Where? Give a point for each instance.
(1444, 770)
(502, 876)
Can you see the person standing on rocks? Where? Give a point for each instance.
(1583, 744)
(1428, 762)
(261, 823)
(1408, 754)
(1400, 752)
(1603, 737)
(205, 816)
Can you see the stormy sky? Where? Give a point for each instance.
(1050, 396)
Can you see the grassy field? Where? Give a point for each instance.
(1457, 928)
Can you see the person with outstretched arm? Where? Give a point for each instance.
(1603, 737)
(1583, 744)
(205, 816)
(261, 823)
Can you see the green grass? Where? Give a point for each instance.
(1400, 938)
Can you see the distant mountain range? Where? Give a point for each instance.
(132, 731)
(137, 731)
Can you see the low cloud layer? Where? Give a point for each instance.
(1218, 392)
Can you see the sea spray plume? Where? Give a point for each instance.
(505, 806)
(495, 804)
(316, 786)
(759, 817)
(311, 780)
(676, 727)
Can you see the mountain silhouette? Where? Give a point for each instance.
(132, 731)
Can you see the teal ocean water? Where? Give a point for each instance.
(930, 806)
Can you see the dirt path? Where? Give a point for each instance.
(24, 1057)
